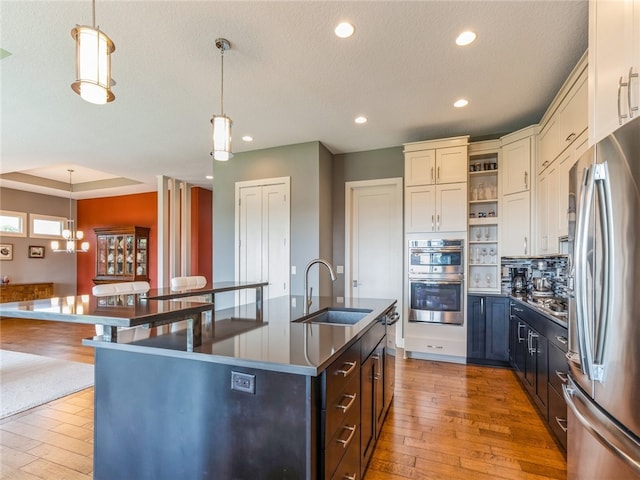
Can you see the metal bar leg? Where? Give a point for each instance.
(194, 332)
(259, 293)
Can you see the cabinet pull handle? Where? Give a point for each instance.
(526, 180)
(562, 340)
(560, 421)
(562, 376)
(435, 346)
(433, 179)
(438, 175)
(352, 430)
(621, 116)
(482, 306)
(631, 108)
(518, 309)
(351, 477)
(438, 222)
(345, 373)
(525, 245)
(520, 325)
(352, 399)
(570, 137)
(432, 223)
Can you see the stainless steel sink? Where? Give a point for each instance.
(337, 316)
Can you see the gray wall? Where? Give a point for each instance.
(59, 268)
(351, 167)
(299, 162)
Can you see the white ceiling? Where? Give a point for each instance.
(288, 79)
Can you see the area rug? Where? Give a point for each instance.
(27, 381)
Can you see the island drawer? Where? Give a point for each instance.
(371, 339)
(340, 407)
(340, 372)
(346, 436)
(349, 466)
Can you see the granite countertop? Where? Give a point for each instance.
(522, 299)
(277, 343)
(127, 310)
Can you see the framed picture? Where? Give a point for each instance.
(36, 251)
(6, 251)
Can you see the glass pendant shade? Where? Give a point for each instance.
(222, 137)
(93, 65)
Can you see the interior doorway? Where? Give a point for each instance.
(263, 235)
(373, 239)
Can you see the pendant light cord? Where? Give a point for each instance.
(221, 80)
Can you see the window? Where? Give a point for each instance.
(13, 224)
(46, 226)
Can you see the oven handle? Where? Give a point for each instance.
(435, 249)
(435, 282)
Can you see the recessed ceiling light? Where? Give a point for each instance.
(247, 138)
(461, 103)
(209, 177)
(344, 30)
(465, 38)
(361, 119)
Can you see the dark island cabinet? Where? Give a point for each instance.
(488, 330)
(537, 349)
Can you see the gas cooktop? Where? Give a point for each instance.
(551, 305)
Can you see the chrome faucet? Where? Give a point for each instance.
(308, 291)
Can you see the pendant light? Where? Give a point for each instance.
(70, 234)
(221, 123)
(93, 63)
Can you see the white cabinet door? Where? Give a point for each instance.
(436, 208)
(614, 52)
(451, 207)
(516, 166)
(451, 165)
(420, 204)
(542, 212)
(516, 214)
(549, 144)
(574, 116)
(566, 161)
(420, 168)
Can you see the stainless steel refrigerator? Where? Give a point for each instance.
(603, 390)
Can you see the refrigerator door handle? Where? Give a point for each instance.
(580, 264)
(601, 177)
(604, 430)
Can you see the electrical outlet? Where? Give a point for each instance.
(293, 269)
(243, 382)
(340, 269)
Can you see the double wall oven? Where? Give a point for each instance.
(436, 281)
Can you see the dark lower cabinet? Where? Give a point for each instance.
(537, 348)
(488, 330)
(371, 403)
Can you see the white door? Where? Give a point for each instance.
(373, 239)
(262, 235)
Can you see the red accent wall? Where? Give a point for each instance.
(201, 232)
(140, 209)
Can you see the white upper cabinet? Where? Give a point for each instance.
(451, 165)
(516, 166)
(436, 208)
(614, 65)
(436, 162)
(420, 168)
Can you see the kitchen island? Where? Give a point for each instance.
(276, 398)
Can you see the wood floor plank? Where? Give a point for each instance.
(447, 421)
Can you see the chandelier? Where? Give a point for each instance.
(70, 234)
(221, 123)
(93, 63)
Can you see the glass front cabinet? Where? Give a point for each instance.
(122, 254)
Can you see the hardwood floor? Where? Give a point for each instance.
(447, 421)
